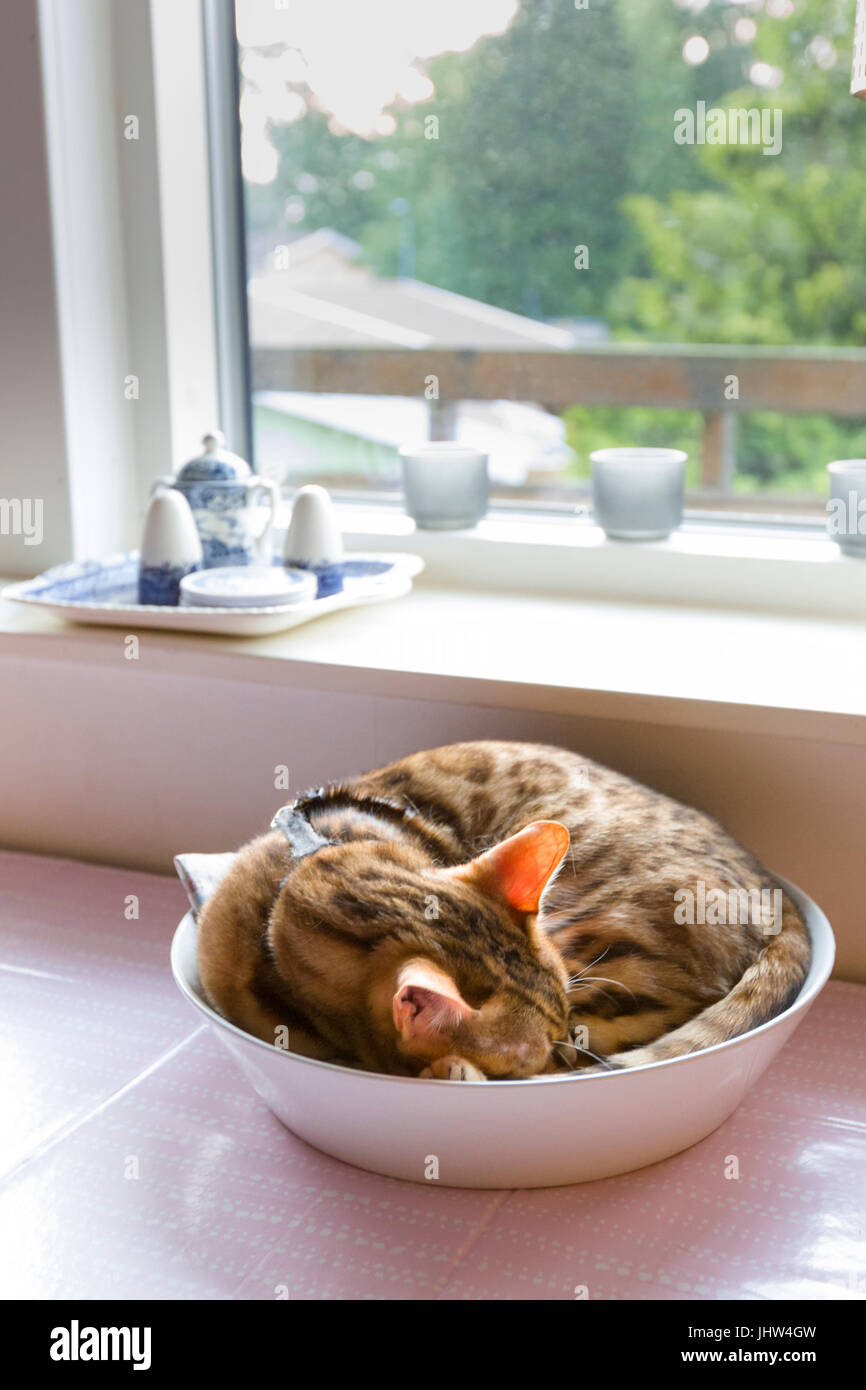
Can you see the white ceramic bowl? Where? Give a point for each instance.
(536, 1133)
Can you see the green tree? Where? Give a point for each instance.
(767, 249)
(536, 134)
(559, 133)
(536, 128)
(771, 249)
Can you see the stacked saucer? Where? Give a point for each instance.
(247, 586)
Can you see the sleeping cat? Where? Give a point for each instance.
(497, 910)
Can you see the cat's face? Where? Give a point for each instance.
(422, 963)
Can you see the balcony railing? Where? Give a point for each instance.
(718, 381)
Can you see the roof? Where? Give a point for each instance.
(325, 299)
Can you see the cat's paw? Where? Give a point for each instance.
(453, 1069)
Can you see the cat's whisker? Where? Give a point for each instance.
(594, 1055)
(592, 963)
(579, 984)
(592, 979)
(588, 984)
(572, 979)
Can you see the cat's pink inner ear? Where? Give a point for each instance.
(521, 867)
(427, 1003)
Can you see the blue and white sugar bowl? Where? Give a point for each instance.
(233, 508)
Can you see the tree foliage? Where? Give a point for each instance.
(559, 133)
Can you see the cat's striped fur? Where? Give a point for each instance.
(405, 934)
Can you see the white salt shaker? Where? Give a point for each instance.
(170, 548)
(313, 540)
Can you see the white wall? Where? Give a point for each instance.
(32, 425)
(86, 147)
(105, 268)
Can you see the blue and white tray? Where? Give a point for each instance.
(106, 591)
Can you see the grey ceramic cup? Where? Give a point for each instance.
(846, 508)
(637, 494)
(444, 485)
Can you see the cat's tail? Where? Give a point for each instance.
(765, 989)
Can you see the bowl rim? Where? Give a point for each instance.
(815, 981)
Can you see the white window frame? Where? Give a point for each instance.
(132, 303)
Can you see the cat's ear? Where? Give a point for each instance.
(521, 867)
(427, 1003)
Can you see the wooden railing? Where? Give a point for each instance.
(718, 381)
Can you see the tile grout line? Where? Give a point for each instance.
(66, 1130)
(478, 1229)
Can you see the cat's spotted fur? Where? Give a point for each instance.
(403, 933)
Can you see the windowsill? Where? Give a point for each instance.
(766, 674)
(725, 566)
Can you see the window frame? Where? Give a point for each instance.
(228, 226)
(686, 386)
(161, 217)
(131, 298)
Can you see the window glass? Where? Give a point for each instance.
(425, 180)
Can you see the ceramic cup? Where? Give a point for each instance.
(846, 508)
(637, 494)
(445, 485)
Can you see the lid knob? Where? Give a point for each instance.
(216, 464)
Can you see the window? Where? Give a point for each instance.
(548, 226)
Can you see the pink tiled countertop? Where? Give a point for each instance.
(135, 1162)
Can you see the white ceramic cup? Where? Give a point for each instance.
(637, 494)
(445, 485)
(846, 507)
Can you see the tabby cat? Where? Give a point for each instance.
(497, 910)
